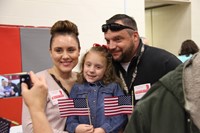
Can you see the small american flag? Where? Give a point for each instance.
(118, 105)
(75, 106)
(4, 125)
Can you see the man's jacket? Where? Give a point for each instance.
(172, 104)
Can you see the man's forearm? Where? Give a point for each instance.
(40, 122)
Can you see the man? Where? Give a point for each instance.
(14, 88)
(2, 94)
(138, 65)
(172, 104)
(8, 90)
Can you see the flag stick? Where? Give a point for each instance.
(88, 110)
(132, 98)
(13, 122)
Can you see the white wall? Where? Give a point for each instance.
(89, 15)
(169, 26)
(195, 24)
(148, 26)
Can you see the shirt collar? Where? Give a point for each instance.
(97, 83)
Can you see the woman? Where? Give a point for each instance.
(188, 48)
(64, 51)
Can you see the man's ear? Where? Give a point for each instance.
(135, 36)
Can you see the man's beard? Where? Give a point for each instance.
(127, 54)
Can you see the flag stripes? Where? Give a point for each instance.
(4, 125)
(112, 106)
(118, 105)
(70, 107)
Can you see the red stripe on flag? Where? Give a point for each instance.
(68, 108)
(112, 106)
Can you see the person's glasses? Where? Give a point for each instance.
(114, 27)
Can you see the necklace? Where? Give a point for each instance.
(59, 83)
(134, 72)
(65, 83)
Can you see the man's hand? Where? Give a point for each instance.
(35, 97)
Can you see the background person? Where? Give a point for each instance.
(14, 88)
(2, 94)
(64, 51)
(8, 90)
(97, 80)
(188, 48)
(172, 104)
(138, 65)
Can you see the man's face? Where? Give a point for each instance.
(4, 83)
(121, 44)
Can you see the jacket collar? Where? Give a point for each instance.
(191, 87)
(173, 83)
(184, 84)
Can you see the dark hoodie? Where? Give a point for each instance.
(172, 105)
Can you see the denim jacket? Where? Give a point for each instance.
(96, 93)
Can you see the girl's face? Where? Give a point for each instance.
(64, 53)
(94, 67)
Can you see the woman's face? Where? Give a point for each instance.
(64, 53)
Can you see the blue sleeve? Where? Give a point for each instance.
(72, 123)
(115, 123)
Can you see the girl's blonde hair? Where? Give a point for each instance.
(110, 74)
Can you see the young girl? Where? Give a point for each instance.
(97, 80)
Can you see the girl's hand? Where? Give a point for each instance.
(84, 128)
(99, 130)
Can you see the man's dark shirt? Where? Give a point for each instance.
(154, 63)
